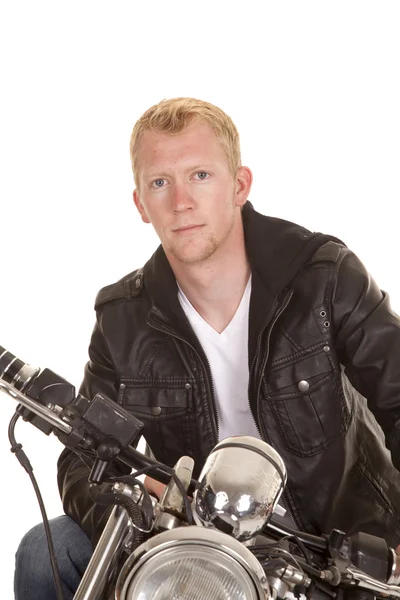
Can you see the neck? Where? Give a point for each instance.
(215, 286)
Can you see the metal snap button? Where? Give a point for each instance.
(188, 386)
(156, 410)
(326, 349)
(121, 389)
(303, 385)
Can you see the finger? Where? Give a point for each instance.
(154, 487)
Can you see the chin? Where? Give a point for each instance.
(193, 256)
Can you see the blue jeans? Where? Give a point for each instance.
(33, 575)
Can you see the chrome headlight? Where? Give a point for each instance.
(192, 563)
(239, 486)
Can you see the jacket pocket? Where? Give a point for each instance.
(307, 402)
(165, 407)
(156, 399)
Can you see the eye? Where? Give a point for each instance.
(158, 183)
(202, 175)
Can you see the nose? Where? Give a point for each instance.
(181, 198)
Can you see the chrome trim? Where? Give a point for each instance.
(394, 577)
(25, 374)
(44, 412)
(366, 582)
(8, 366)
(239, 487)
(105, 556)
(201, 537)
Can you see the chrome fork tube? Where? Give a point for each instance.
(104, 557)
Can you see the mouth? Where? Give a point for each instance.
(187, 228)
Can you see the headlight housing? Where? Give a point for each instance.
(239, 487)
(192, 563)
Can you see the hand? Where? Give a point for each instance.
(154, 487)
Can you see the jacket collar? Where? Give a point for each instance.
(277, 251)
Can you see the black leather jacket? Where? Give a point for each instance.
(316, 317)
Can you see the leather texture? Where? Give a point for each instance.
(324, 387)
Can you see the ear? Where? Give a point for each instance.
(140, 207)
(244, 179)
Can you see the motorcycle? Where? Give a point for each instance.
(221, 537)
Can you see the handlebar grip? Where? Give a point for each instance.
(15, 371)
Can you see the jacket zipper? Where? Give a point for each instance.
(208, 378)
(274, 320)
(271, 322)
(259, 337)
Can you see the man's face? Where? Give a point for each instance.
(188, 192)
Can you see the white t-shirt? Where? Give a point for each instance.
(227, 354)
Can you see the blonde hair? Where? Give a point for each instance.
(174, 115)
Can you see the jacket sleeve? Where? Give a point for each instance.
(368, 344)
(73, 473)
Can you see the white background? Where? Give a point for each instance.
(314, 88)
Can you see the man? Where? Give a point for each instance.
(241, 324)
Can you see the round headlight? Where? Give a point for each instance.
(192, 563)
(190, 572)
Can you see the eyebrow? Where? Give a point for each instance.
(159, 174)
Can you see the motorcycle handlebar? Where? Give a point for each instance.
(34, 388)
